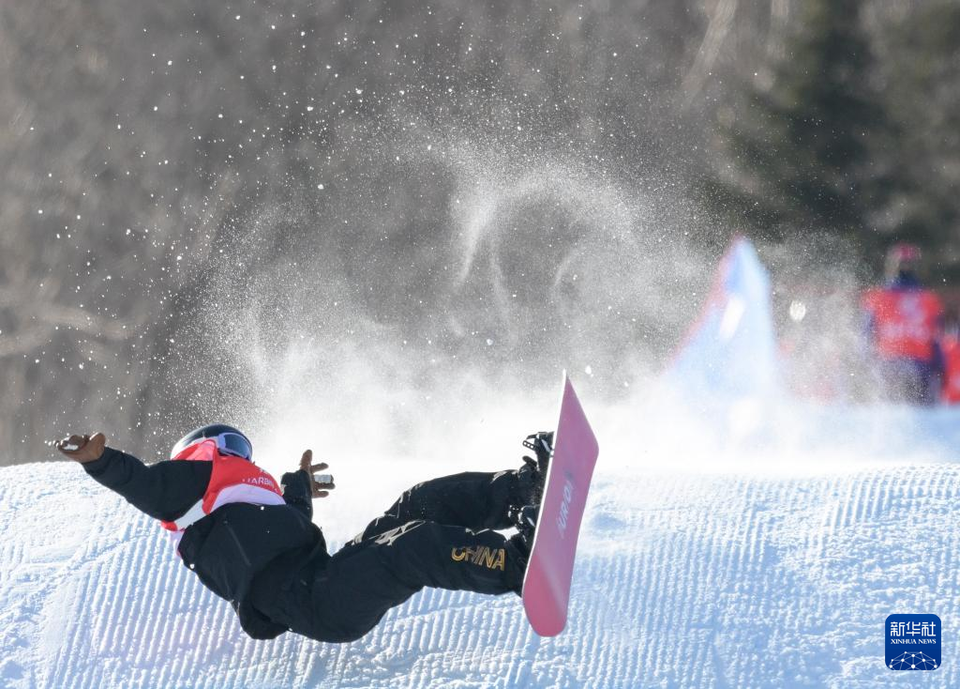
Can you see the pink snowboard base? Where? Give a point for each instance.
(546, 586)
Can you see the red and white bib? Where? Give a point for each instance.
(906, 322)
(233, 479)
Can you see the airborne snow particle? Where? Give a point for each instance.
(797, 310)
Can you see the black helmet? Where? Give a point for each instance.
(230, 441)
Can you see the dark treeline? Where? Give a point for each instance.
(164, 160)
(851, 128)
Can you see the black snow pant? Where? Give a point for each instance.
(440, 533)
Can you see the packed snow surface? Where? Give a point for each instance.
(686, 577)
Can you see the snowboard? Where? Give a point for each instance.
(546, 584)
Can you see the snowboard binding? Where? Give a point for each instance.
(542, 445)
(533, 474)
(524, 517)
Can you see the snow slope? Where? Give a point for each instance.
(686, 578)
(733, 538)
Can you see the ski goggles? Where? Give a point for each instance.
(232, 444)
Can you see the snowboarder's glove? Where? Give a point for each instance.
(83, 448)
(317, 489)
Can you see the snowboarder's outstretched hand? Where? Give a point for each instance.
(83, 448)
(317, 489)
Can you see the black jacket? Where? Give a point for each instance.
(230, 546)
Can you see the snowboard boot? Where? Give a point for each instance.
(532, 475)
(525, 519)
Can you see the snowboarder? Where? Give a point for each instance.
(252, 541)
